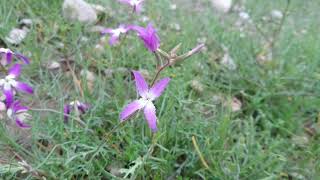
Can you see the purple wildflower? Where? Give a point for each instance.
(135, 4)
(6, 56)
(149, 36)
(82, 107)
(115, 33)
(9, 84)
(145, 102)
(19, 114)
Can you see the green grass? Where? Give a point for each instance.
(265, 140)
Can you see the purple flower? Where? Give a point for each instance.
(6, 56)
(9, 84)
(145, 102)
(19, 114)
(135, 4)
(82, 107)
(149, 36)
(115, 33)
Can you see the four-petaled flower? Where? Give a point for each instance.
(6, 56)
(82, 107)
(149, 36)
(135, 4)
(145, 102)
(9, 84)
(19, 114)
(115, 33)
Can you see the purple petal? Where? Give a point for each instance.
(141, 84)
(137, 8)
(23, 58)
(66, 112)
(159, 87)
(83, 107)
(15, 70)
(9, 57)
(138, 29)
(106, 31)
(21, 124)
(8, 93)
(24, 87)
(17, 108)
(113, 40)
(130, 109)
(149, 36)
(150, 115)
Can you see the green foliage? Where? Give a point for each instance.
(266, 139)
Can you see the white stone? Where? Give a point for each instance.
(16, 36)
(53, 65)
(26, 22)
(98, 8)
(228, 62)
(222, 5)
(244, 16)
(173, 6)
(88, 75)
(276, 14)
(79, 10)
(236, 104)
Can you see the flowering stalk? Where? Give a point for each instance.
(10, 86)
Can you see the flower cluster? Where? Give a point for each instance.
(145, 102)
(148, 35)
(77, 106)
(151, 41)
(10, 86)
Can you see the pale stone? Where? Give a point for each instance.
(276, 14)
(223, 6)
(16, 36)
(228, 62)
(79, 10)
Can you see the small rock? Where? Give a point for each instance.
(276, 14)
(228, 62)
(223, 6)
(236, 104)
(98, 8)
(201, 40)
(108, 73)
(90, 76)
(99, 48)
(79, 10)
(298, 176)
(53, 65)
(16, 36)
(197, 86)
(173, 7)
(103, 40)
(266, 55)
(84, 39)
(144, 19)
(303, 31)
(218, 99)
(300, 140)
(175, 26)
(27, 22)
(244, 16)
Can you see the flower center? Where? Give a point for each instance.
(135, 2)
